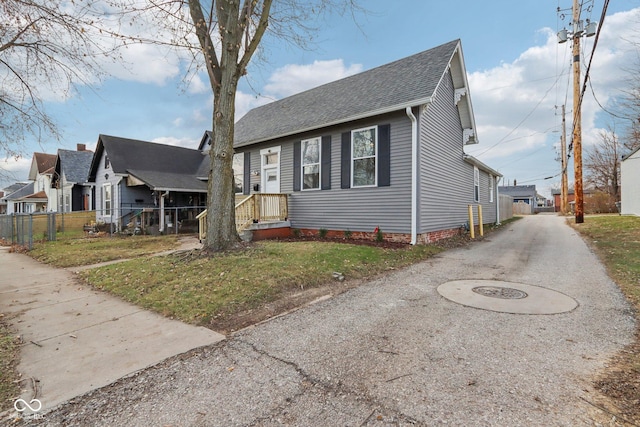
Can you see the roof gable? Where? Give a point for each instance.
(127, 155)
(407, 82)
(74, 164)
(42, 164)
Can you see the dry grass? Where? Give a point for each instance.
(203, 289)
(9, 351)
(69, 252)
(616, 240)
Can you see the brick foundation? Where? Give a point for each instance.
(271, 233)
(425, 238)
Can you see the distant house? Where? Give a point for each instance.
(41, 173)
(630, 177)
(524, 197)
(26, 200)
(70, 178)
(3, 204)
(6, 203)
(134, 178)
(383, 149)
(37, 195)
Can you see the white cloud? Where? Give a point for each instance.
(295, 78)
(13, 170)
(515, 103)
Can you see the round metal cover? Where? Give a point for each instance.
(507, 297)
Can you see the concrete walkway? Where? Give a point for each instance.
(77, 339)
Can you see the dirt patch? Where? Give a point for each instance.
(295, 299)
(286, 303)
(620, 386)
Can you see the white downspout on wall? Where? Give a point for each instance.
(162, 196)
(414, 175)
(497, 184)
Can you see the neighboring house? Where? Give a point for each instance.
(41, 173)
(3, 204)
(132, 177)
(71, 180)
(26, 200)
(6, 201)
(630, 177)
(380, 149)
(524, 197)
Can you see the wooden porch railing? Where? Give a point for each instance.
(261, 207)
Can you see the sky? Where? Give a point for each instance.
(519, 76)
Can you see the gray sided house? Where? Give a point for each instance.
(71, 180)
(381, 149)
(143, 181)
(524, 196)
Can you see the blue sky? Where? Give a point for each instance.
(517, 71)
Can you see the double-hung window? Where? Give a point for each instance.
(238, 173)
(476, 184)
(491, 188)
(106, 202)
(364, 150)
(311, 163)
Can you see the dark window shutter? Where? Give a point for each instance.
(297, 161)
(325, 167)
(246, 172)
(384, 156)
(345, 161)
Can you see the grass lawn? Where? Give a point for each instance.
(203, 290)
(616, 240)
(70, 251)
(9, 350)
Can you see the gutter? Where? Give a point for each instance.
(414, 175)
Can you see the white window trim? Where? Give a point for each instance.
(104, 199)
(264, 166)
(476, 184)
(491, 188)
(375, 157)
(235, 174)
(302, 164)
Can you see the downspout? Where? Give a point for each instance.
(497, 184)
(116, 204)
(414, 175)
(162, 196)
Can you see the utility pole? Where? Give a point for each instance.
(577, 115)
(564, 190)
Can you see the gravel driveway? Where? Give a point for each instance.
(395, 352)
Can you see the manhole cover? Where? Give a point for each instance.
(499, 292)
(506, 297)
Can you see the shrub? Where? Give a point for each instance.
(347, 234)
(323, 233)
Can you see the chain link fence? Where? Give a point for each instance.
(24, 229)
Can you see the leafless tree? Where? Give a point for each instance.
(47, 47)
(602, 162)
(227, 36)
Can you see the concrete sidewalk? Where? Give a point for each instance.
(77, 339)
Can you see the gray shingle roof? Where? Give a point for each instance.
(160, 166)
(164, 181)
(75, 165)
(406, 82)
(25, 190)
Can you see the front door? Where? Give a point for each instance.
(270, 170)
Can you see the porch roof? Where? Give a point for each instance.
(167, 181)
